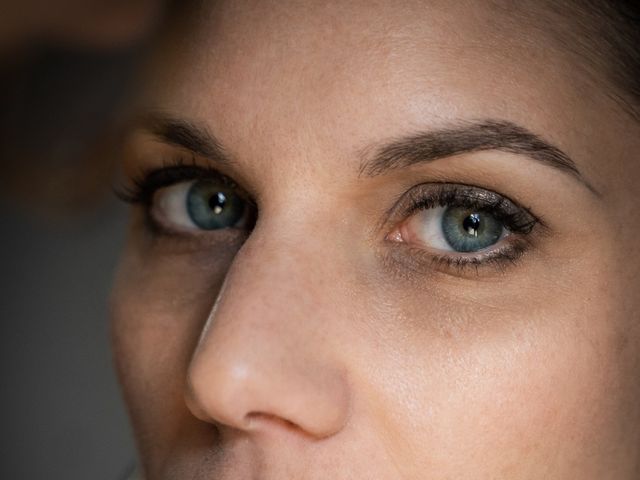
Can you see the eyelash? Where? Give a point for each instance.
(149, 181)
(519, 221)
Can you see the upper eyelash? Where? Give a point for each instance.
(145, 185)
(516, 219)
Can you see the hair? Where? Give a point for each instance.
(618, 32)
(606, 35)
(601, 36)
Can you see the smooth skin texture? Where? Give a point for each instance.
(324, 342)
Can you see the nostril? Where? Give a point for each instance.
(260, 420)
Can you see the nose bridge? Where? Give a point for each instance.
(265, 354)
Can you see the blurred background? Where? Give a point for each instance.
(68, 74)
(61, 416)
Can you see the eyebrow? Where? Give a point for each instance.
(414, 149)
(465, 138)
(184, 134)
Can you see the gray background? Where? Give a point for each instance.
(62, 416)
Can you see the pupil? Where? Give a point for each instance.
(217, 202)
(471, 224)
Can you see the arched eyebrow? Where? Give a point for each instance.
(184, 134)
(400, 153)
(464, 138)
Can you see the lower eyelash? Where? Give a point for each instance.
(500, 259)
(420, 261)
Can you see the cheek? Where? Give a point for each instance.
(511, 389)
(159, 305)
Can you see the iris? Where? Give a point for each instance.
(467, 230)
(212, 206)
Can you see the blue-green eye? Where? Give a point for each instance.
(211, 206)
(468, 230)
(206, 204)
(454, 229)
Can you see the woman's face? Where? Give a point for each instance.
(380, 242)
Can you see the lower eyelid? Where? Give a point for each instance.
(405, 259)
(159, 240)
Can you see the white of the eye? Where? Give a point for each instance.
(170, 206)
(428, 228)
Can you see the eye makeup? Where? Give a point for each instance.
(477, 204)
(454, 214)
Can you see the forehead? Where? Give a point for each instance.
(273, 79)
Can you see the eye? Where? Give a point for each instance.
(204, 204)
(453, 228)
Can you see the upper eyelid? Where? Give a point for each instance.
(523, 222)
(501, 206)
(410, 197)
(481, 197)
(146, 183)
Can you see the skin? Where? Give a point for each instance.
(317, 345)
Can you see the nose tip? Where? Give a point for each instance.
(266, 394)
(266, 358)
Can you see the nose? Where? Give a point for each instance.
(266, 359)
